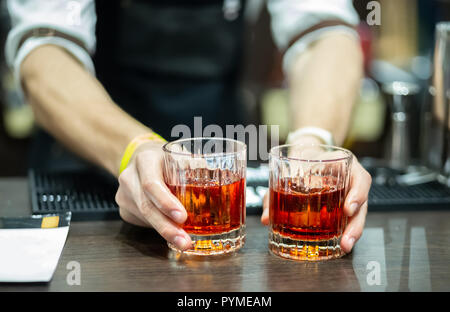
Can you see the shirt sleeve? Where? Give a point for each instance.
(298, 23)
(74, 19)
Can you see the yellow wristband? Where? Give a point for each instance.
(134, 144)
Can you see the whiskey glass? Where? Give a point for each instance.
(307, 189)
(207, 175)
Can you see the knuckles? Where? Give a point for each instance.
(118, 198)
(165, 204)
(147, 157)
(125, 179)
(150, 186)
(153, 187)
(141, 158)
(146, 209)
(167, 232)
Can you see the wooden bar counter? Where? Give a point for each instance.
(399, 251)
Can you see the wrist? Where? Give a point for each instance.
(310, 135)
(135, 143)
(305, 139)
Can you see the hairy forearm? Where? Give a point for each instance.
(74, 107)
(324, 84)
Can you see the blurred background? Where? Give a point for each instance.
(398, 121)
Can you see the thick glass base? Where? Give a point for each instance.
(217, 244)
(294, 249)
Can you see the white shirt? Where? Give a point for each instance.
(77, 18)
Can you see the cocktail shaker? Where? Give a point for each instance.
(401, 97)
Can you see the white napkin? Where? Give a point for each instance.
(30, 255)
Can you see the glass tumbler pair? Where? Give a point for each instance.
(307, 189)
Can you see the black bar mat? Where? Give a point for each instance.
(88, 195)
(432, 195)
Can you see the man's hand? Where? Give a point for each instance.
(355, 206)
(145, 200)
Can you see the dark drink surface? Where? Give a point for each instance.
(307, 213)
(215, 202)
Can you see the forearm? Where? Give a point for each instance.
(74, 107)
(324, 84)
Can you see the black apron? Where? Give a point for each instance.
(164, 62)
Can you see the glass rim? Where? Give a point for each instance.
(242, 144)
(279, 147)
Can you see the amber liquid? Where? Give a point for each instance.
(306, 214)
(215, 203)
